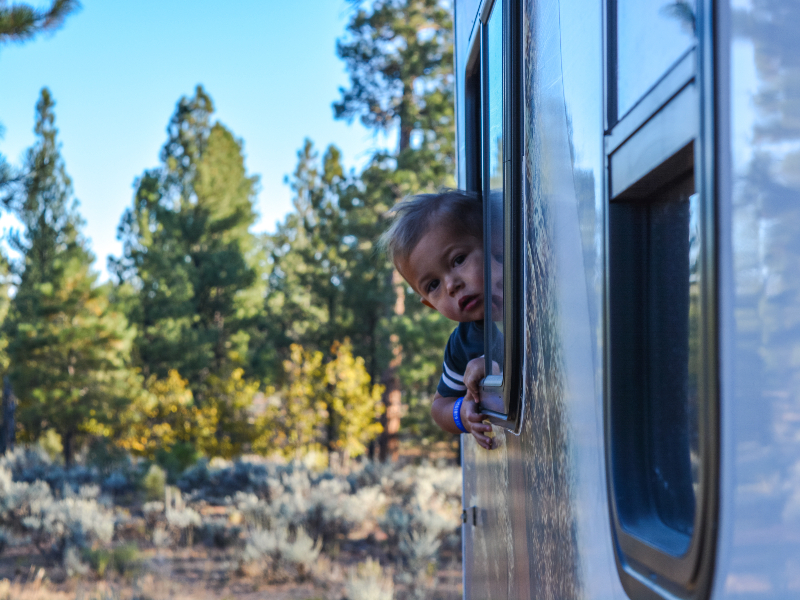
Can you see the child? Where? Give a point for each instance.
(436, 243)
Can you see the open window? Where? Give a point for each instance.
(661, 399)
(493, 131)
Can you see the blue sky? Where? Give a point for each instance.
(117, 69)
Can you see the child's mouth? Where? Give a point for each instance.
(467, 303)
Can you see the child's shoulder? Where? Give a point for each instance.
(468, 330)
(466, 340)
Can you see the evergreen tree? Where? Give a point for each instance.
(189, 254)
(399, 54)
(20, 22)
(68, 348)
(308, 269)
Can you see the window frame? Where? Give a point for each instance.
(502, 398)
(641, 153)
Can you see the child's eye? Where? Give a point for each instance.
(460, 259)
(432, 286)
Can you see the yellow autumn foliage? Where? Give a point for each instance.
(166, 414)
(324, 405)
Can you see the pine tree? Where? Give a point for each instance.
(399, 54)
(306, 282)
(20, 22)
(68, 348)
(189, 253)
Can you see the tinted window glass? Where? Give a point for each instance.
(655, 301)
(495, 167)
(651, 36)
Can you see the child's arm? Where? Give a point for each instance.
(442, 413)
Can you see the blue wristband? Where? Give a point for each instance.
(457, 414)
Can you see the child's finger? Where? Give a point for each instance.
(476, 423)
(484, 441)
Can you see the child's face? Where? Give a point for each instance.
(446, 269)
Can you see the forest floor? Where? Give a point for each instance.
(200, 571)
(196, 573)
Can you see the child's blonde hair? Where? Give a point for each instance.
(412, 218)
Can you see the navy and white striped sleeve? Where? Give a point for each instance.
(451, 384)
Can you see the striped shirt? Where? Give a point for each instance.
(465, 343)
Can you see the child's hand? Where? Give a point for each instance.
(473, 375)
(473, 422)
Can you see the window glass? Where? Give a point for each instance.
(656, 363)
(495, 167)
(651, 36)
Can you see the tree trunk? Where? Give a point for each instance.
(392, 395)
(8, 430)
(66, 442)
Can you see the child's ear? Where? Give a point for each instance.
(426, 303)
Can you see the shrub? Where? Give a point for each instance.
(367, 581)
(177, 458)
(180, 518)
(126, 559)
(56, 525)
(279, 554)
(154, 483)
(98, 559)
(258, 513)
(219, 534)
(50, 442)
(216, 480)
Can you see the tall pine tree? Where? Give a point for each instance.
(68, 348)
(18, 23)
(399, 54)
(189, 253)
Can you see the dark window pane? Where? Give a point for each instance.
(651, 36)
(655, 362)
(495, 167)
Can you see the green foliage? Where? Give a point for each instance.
(154, 483)
(50, 442)
(98, 559)
(324, 405)
(68, 348)
(126, 559)
(400, 56)
(20, 22)
(188, 252)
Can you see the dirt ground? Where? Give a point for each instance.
(196, 573)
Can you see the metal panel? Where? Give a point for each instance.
(758, 61)
(466, 14)
(671, 129)
(541, 496)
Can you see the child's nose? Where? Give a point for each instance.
(453, 285)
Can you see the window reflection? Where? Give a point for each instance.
(694, 340)
(651, 36)
(495, 164)
(656, 362)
